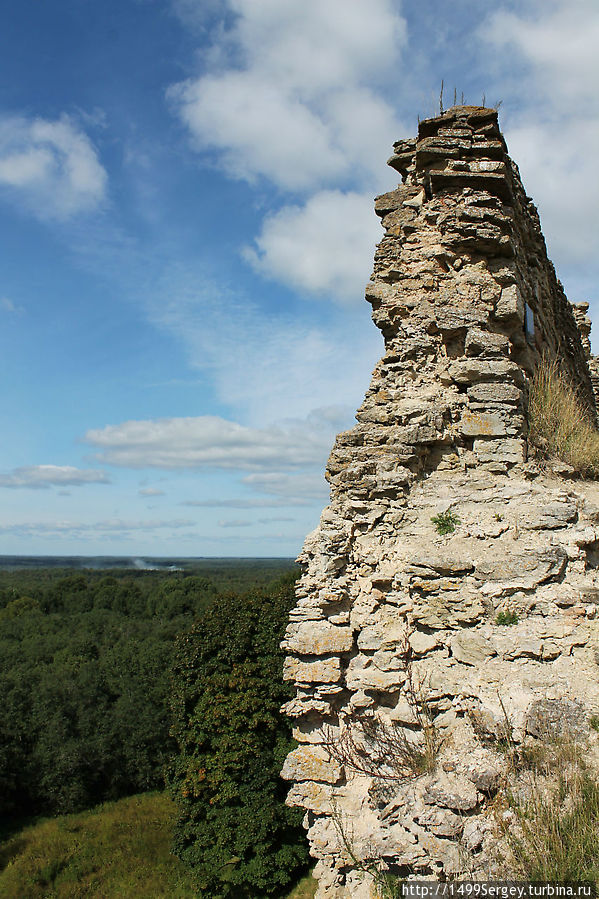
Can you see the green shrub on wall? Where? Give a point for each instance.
(234, 829)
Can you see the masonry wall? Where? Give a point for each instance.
(395, 626)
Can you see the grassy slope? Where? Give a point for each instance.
(120, 849)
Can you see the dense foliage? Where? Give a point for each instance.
(234, 829)
(84, 679)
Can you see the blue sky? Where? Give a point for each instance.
(186, 197)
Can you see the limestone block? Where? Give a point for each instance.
(471, 648)
(309, 731)
(362, 674)
(452, 791)
(510, 305)
(387, 629)
(524, 571)
(494, 393)
(296, 708)
(310, 795)
(309, 762)
(403, 713)
(470, 371)
(551, 650)
(317, 638)
(479, 342)
(403, 195)
(390, 659)
(518, 646)
(551, 718)
(485, 778)
(474, 832)
(422, 643)
(552, 515)
(509, 450)
(442, 561)
(441, 822)
(450, 319)
(320, 671)
(482, 424)
(450, 609)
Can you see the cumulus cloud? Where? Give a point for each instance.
(50, 168)
(559, 39)
(323, 247)
(208, 442)
(267, 365)
(569, 215)
(293, 91)
(44, 476)
(553, 132)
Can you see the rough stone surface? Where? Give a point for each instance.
(395, 637)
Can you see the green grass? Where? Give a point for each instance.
(507, 618)
(556, 804)
(445, 522)
(305, 889)
(120, 849)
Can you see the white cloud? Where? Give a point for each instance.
(150, 491)
(49, 167)
(260, 130)
(289, 485)
(274, 518)
(234, 523)
(294, 99)
(43, 476)
(208, 442)
(553, 128)
(569, 211)
(324, 247)
(268, 364)
(115, 526)
(255, 503)
(559, 40)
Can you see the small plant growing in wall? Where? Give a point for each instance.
(507, 618)
(445, 522)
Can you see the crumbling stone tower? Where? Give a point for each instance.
(394, 643)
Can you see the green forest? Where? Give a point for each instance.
(119, 685)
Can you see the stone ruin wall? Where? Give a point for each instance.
(394, 620)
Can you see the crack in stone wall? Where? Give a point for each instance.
(468, 303)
